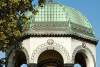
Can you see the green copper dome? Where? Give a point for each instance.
(56, 19)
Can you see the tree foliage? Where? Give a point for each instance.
(9, 31)
(41, 2)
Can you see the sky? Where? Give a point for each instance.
(91, 9)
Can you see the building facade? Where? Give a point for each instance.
(54, 36)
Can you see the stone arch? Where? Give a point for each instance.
(55, 46)
(85, 50)
(50, 58)
(26, 54)
(10, 62)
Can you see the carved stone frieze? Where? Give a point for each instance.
(50, 45)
